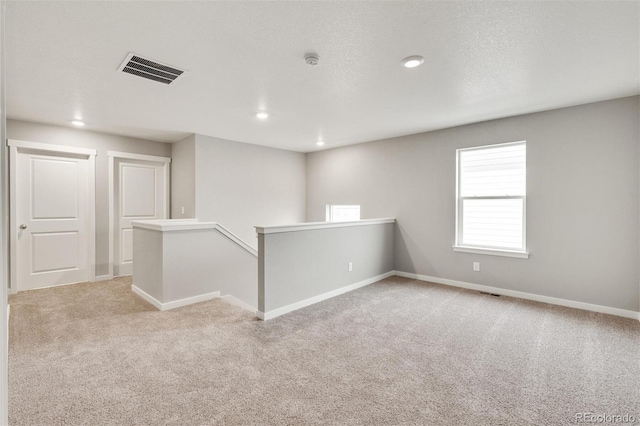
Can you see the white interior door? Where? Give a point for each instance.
(51, 218)
(140, 194)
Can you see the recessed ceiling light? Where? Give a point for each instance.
(412, 61)
(320, 143)
(262, 115)
(77, 123)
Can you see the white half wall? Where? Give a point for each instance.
(183, 262)
(302, 264)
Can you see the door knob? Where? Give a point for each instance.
(23, 226)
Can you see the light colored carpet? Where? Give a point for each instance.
(396, 352)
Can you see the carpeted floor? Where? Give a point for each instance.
(395, 352)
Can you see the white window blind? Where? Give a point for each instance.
(337, 213)
(491, 197)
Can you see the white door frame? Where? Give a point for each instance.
(116, 155)
(18, 145)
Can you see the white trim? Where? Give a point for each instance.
(175, 303)
(232, 300)
(104, 278)
(92, 218)
(168, 225)
(460, 199)
(190, 300)
(522, 295)
(224, 231)
(492, 145)
(39, 146)
(13, 222)
(309, 226)
(492, 252)
(330, 208)
(315, 299)
(172, 225)
(113, 156)
(146, 296)
(141, 157)
(15, 146)
(111, 161)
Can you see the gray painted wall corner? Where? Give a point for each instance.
(241, 185)
(183, 178)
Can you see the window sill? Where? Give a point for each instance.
(492, 252)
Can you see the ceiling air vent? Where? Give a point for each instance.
(146, 68)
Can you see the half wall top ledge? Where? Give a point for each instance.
(310, 226)
(184, 261)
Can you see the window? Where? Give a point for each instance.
(342, 213)
(491, 193)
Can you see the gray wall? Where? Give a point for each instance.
(241, 185)
(582, 201)
(183, 178)
(148, 269)
(294, 266)
(204, 261)
(33, 132)
(175, 265)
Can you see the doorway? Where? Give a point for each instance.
(138, 190)
(52, 211)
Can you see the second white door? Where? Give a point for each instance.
(140, 189)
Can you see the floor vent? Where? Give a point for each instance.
(146, 68)
(490, 294)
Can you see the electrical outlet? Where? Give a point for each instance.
(350, 267)
(182, 209)
(476, 266)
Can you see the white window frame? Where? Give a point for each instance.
(479, 249)
(329, 211)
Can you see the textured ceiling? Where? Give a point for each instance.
(483, 60)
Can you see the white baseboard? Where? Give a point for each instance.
(522, 295)
(107, 277)
(190, 300)
(310, 301)
(175, 303)
(232, 300)
(146, 296)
